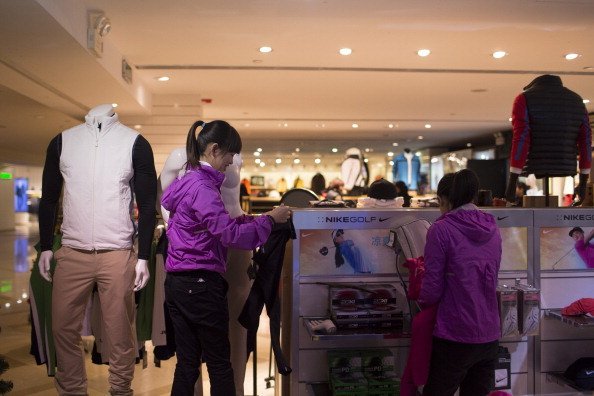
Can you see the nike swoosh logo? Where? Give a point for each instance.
(589, 372)
(384, 219)
(502, 217)
(306, 235)
(546, 231)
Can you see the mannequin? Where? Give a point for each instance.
(95, 162)
(549, 146)
(239, 260)
(407, 168)
(354, 172)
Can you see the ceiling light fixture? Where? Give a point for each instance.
(423, 52)
(334, 150)
(586, 101)
(137, 126)
(256, 153)
(390, 126)
(297, 149)
(317, 160)
(420, 137)
(428, 126)
(163, 78)
(114, 105)
(355, 125)
(345, 51)
(265, 50)
(499, 54)
(391, 163)
(571, 56)
(366, 160)
(262, 164)
(259, 149)
(394, 144)
(257, 160)
(296, 160)
(278, 160)
(390, 154)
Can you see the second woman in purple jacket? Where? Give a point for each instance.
(199, 232)
(462, 259)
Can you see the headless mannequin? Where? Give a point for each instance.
(98, 114)
(239, 282)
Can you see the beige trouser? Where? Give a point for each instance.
(76, 274)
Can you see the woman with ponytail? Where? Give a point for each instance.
(199, 231)
(462, 259)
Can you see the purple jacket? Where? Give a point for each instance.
(462, 259)
(200, 230)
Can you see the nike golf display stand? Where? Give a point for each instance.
(347, 247)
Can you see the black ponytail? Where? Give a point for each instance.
(219, 132)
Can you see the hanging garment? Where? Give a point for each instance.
(269, 260)
(407, 167)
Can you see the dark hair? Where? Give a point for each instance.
(382, 189)
(575, 229)
(445, 185)
(523, 187)
(464, 188)
(217, 131)
(402, 187)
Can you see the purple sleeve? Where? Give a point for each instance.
(236, 233)
(435, 264)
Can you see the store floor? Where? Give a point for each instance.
(16, 255)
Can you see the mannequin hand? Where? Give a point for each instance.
(142, 275)
(280, 214)
(45, 259)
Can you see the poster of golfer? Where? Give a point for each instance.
(346, 252)
(352, 252)
(566, 248)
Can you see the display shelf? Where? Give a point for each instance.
(559, 379)
(577, 321)
(318, 389)
(352, 334)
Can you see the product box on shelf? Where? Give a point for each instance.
(347, 307)
(345, 373)
(507, 299)
(378, 369)
(528, 309)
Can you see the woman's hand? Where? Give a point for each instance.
(280, 214)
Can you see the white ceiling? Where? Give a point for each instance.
(209, 49)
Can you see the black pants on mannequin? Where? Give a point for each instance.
(197, 302)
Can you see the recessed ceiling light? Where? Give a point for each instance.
(499, 54)
(259, 149)
(391, 163)
(355, 125)
(114, 105)
(262, 164)
(427, 126)
(418, 153)
(296, 161)
(468, 144)
(366, 160)
(285, 124)
(257, 160)
(395, 144)
(297, 149)
(571, 56)
(390, 154)
(423, 52)
(345, 51)
(586, 101)
(317, 160)
(256, 153)
(334, 150)
(367, 150)
(163, 78)
(510, 119)
(137, 126)
(390, 126)
(420, 137)
(278, 160)
(265, 50)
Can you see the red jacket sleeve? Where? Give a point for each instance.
(521, 134)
